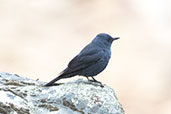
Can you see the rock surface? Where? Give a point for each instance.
(20, 95)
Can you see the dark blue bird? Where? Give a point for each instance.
(92, 60)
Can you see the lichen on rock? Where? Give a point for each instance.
(25, 96)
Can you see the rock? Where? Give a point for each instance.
(19, 95)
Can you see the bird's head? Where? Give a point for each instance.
(104, 39)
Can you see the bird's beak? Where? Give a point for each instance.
(115, 38)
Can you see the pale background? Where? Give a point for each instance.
(39, 37)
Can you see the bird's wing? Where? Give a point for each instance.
(88, 56)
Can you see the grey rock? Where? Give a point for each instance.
(19, 95)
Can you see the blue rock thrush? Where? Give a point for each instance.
(92, 60)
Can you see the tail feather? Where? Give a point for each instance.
(51, 83)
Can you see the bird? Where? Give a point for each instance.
(91, 60)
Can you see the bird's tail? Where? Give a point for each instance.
(53, 81)
(61, 76)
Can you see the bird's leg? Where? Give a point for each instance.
(91, 80)
(94, 80)
(88, 78)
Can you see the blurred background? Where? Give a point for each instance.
(39, 37)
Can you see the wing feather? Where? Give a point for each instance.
(88, 56)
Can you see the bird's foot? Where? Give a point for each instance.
(94, 80)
